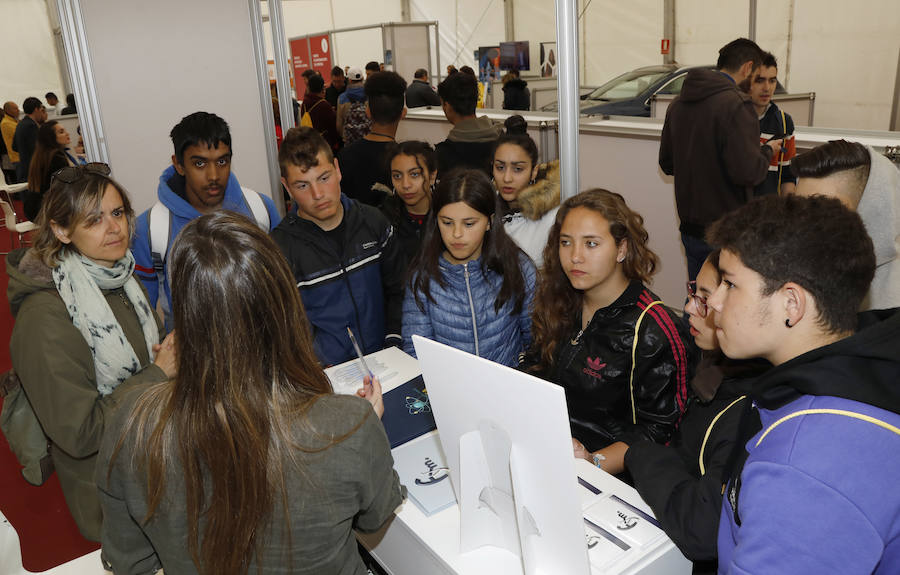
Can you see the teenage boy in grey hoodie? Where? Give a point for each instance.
(470, 141)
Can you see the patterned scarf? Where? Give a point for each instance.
(79, 281)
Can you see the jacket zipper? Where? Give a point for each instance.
(471, 306)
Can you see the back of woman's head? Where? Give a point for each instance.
(44, 150)
(238, 312)
(69, 204)
(499, 252)
(624, 225)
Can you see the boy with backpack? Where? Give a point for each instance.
(352, 121)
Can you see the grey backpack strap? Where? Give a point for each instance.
(159, 225)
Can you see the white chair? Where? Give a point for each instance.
(15, 227)
(10, 550)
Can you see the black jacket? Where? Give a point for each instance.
(516, 95)
(421, 94)
(595, 369)
(686, 499)
(407, 231)
(361, 287)
(710, 143)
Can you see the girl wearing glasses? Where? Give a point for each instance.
(602, 335)
(85, 333)
(246, 461)
(471, 287)
(682, 482)
(413, 172)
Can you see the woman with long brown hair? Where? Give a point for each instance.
(246, 461)
(50, 155)
(602, 335)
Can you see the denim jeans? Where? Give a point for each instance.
(696, 251)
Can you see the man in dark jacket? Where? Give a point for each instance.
(516, 95)
(337, 86)
(320, 111)
(470, 141)
(710, 143)
(343, 254)
(25, 137)
(420, 93)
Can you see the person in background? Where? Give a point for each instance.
(815, 488)
(321, 114)
(352, 120)
(420, 93)
(70, 106)
(682, 481)
(451, 69)
(53, 103)
(182, 485)
(413, 173)
(529, 192)
(25, 136)
(50, 155)
(8, 129)
(469, 143)
(85, 332)
(773, 123)
(516, 95)
(344, 254)
(867, 182)
(336, 87)
(470, 286)
(618, 352)
(372, 67)
(364, 169)
(470, 71)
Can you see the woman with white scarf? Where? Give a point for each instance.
(85, 333)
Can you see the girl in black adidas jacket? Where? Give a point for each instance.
(598, 332)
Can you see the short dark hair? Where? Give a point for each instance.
(461, 92)
(373, 66)
(315, 84)
(301, 147)
(768, 60)
(467, 70)
(386, 94)
(197, 128)
(70, 100)
(831, 158)
(420, 73)
(49, 95)
(815, 242)
(337, 71)
(30, 105)
(308, 73)
(736, 53)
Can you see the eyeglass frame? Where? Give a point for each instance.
(700, 302)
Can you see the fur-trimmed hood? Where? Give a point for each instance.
(543, 195)
(27, 274)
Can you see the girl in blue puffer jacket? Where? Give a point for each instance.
(470, 286)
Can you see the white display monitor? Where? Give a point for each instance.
(508, 445)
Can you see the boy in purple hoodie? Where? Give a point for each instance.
(816, 491)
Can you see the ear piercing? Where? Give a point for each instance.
(787, 323)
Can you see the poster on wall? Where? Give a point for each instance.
(320, 56)
(548, 59)
(488, 58)
(300, 63)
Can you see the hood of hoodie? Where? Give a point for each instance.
(480, 129)
(171, 192)
(27, 274)
(543, 195)
(700, 84)
(355, 92)
(879, 209)
(864, 367)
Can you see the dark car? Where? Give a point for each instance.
(630, 93)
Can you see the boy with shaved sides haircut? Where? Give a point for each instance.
(816, 489)
(198, 182)
(343, 254)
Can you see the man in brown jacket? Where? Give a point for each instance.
(710, 143)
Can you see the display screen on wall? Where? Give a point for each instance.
(488, 58)
(514, 56)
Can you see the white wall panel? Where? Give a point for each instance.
(30, 66)
(152, 68)
(619, 36)
(702, 27)
(464, 26)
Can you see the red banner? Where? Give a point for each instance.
(301, 62)
(320, 56)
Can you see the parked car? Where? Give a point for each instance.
(630, 93)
